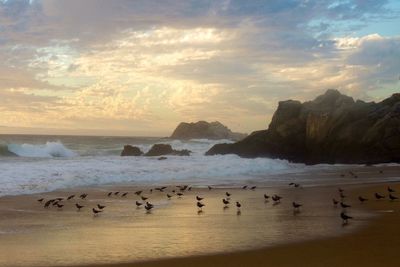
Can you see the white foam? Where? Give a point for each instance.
(48, 150)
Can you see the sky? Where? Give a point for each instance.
(126, 67)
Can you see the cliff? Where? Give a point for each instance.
(205, 130)
(333, 128)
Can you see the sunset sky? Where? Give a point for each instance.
(140, 67)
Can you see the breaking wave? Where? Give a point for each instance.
(48, 150)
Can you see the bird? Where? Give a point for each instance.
(391, 190)
(362, 199)
(291, 183)
(209, 187)
(340, 190)
(378, 196)
(199, 198)
(70, 197)
(48, 202)
(144, 198)
(227, 194)
(296, 206)
(40, 200)
(60, 205)
(345, 217)
(124, 194)
(392, 197)
(266, 197)
(200, 205)
(79, 206)
(253, 187)
(190, 188)
(138, 192)
(59, 198)
(180, 194)
(95, 212)
(100, 206)
(116, 193)
(83, 196)
(148, 206)
(161, 189)
(343, 205)
(342, 195)
(238, 205)
(335, 202)
(226, 202)
(276, 198)
(244, 187)
(169, 196)
(138, 204)
(296, 185)
(109, 194)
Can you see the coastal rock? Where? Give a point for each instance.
(205, 130)
(333, 128)
(131, 151)
(165, 149)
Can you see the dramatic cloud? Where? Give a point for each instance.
(144, 66)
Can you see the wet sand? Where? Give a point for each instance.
(175, 234)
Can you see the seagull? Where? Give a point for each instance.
(109, 194)
(238, 205)
(244, 187)
(70, 197)
(253, 187)
(149, 204)
(138, 204)
(391, 190)
(78, 206)
(95, 212)
(362, 200)
(124, 194)
(345, 217)
(83, 196)
(60, 205)
(199, 198)
(226, 202)
(144, 198)
(138, 192)
(296, 206)
(200, 205)
(335, 202)
(47, 204)
(40, 200)
(148, 207)
(392, 197)
(266, 197)
(100, 206)
(276, 198)
(116, 193)
(378, 196)
(343, 205)
(227, 194)
(169, 196)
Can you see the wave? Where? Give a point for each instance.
(4, 152)
(48, 150)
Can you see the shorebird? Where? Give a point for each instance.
(169, 196)
(149, 204)
(362, 200)
(253, 187)
(345, 217)
(266, 197)
(124, 194)
(244, 187)
(238, 205)
(79, 206)
(335, 202)
(95, 212)
(378, 196)
(199, 198)
(100, 206)
(109, 194)
(83, 196)
(48, 202)
(276, 198)
(392, 197)
(148, 207)
(296, 206)
(190, 188)
(343, 205)
(59, 198)
(209, 187)
(180, 194)
(340, 190)
(391, 190)
(138, 192)
(342, 195)
(200, 205)
(226, 202)
(40, 200)
(144, 198)
(70, 197)
(59, 206)
(116, 193)
(227, 194)
(159, 189)
(138, 204)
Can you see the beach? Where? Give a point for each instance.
(176, 233)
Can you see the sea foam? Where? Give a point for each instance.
(48, 150)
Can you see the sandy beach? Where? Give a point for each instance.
(175, 233)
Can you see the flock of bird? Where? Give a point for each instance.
(179, 192)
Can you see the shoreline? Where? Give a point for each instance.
(371, 244)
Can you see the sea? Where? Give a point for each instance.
(41, 163)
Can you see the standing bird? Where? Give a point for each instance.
(79, 206)
(144, 198)
(200, 205)
(209, 187)
(253, 187)
(238, 205)
(226, 202)
(83, 196)
(40, 200)
(362, 199)
(95, 212)
(169, 196)
(138, 192)
(59, 206)
(109, 194)
(199, 198)
(100, 206)
(392, 197)
(124, 194)
(345, 217)
(343, 205)
(390, 190)
(378, 196)
(70, 197)
(148, 207)
(138, 204)
(244, 187)
(116, 193)
(48, 202)
(266, 197)
(227, 194)
(180, 194)
(335, 202)
(296, 206)
(276, 198)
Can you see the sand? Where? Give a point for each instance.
(175, 234)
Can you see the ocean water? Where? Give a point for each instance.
(32, 164)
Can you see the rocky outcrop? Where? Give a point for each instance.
(165, 149)
(131, 151)
(333, 128)
(205, 130)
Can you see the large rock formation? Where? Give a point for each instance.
(205, 130)
(333, 128)
(165, 149)
(131, 151)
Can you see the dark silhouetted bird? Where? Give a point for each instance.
(227, 194)
(40, 200)
(209, 187)
(200, 205)
(345, 217)
(392, 197)
(343, 205)
(276, 198)
(180, 194)
(48, 202)
(296, 206)
(79, 206)
(335, 202)
(70, 197)
(60, 205)
(95, 212)
(144, 198)
(169, 196)
(238, 205)
(138, 204)
(253, 187)
(124, 194)
(199, 198)
(266, 197)
(83, 196)
(362, 199)
(100, 206)
(378, 196)
(116, 193)
(390, 190)
(138, 192)
(109, 194)
(244, 187)
(226, 202)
